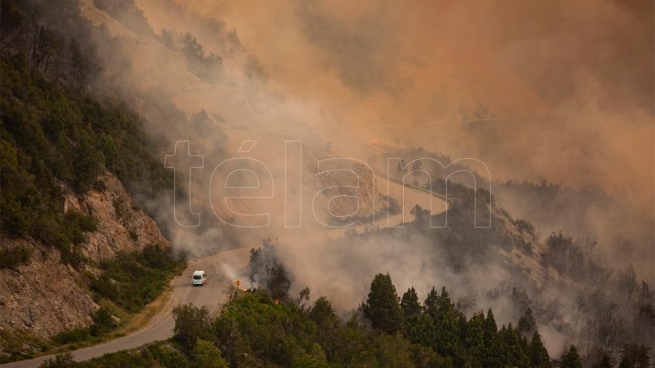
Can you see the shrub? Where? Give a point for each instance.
(134, 279)
(14, 257)
(72, 336)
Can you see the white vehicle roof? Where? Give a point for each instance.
(198, 272)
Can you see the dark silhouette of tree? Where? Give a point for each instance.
(539, 357)
(491, 358)
(627, 362)
(445, 335)
(207, 67)
(571, 359)
(43, 46)
(382, 305)
(278, 282)
(527, 325)
(421, 216)
(409, 304)
(474, 340)
(303, 296)
(512, 348)
(634, 355)
(605, 362)
(166, 39)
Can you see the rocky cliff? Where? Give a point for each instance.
(44, 297)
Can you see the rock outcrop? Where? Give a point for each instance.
(44, 297)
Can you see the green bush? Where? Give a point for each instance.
(103, 322)
(14, 257)
(134, 279)
(64, 360)
(72, 336)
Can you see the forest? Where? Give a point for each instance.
(388, 330)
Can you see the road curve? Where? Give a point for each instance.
(216, 293)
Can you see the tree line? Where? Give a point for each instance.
(256, 330)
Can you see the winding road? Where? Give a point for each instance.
(216, 293)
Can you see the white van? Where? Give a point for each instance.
(199, 278)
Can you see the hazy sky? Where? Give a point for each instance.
(559, 90)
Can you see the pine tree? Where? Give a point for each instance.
(527, 325)
(605, 362)
(491, 358)
(445, 336)
(511, 349)
(571, 359)
(278, 282)
(409, 304)
(382, 306)
(474, 340)
(539, 357)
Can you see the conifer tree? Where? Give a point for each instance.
(445, 336)
(605, 362)
(539, 357)
(491, 358)
(527, 325)
(382, 306)
(571, 359)
(410, 304)
(474, 340)
(511, 348)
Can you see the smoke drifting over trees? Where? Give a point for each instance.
(558, 92)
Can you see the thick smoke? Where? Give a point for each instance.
(560, 91)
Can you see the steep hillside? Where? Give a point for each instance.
(71, 166)
(44, 296)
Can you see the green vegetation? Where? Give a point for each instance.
(56, 139)
(382, 306)
(153, 355)
(13, 257)
(125, 286)
(53, 137)
(132, 280)
(256, 331)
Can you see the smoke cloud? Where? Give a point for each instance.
(560, 91)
